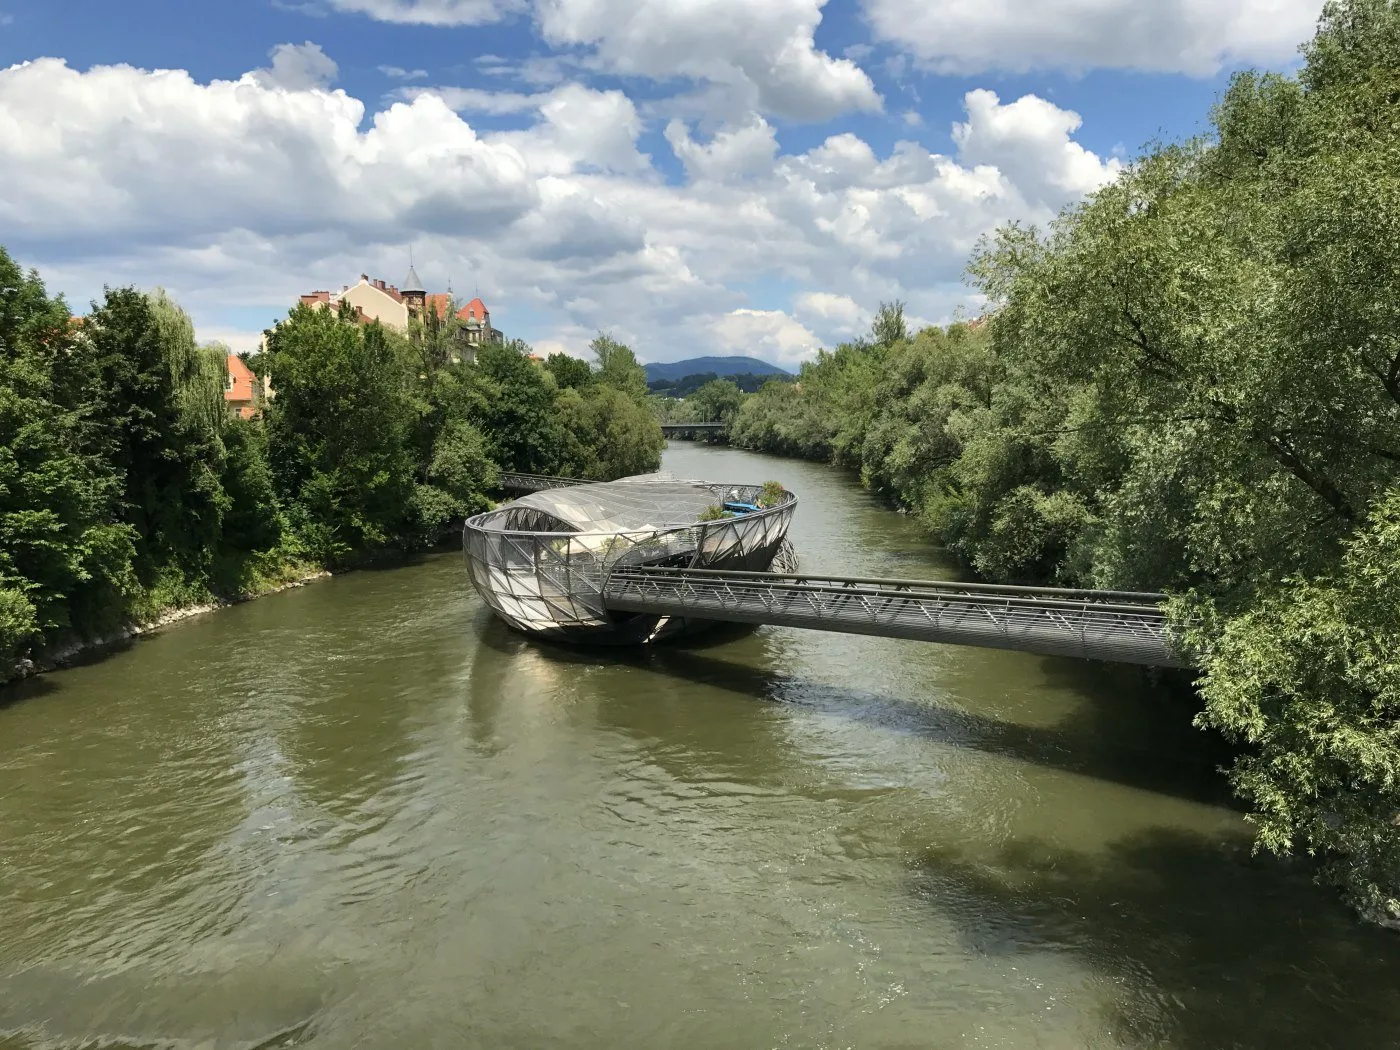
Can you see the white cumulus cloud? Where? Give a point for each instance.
(239, 194)
(1195, 37)
(837, 317)
(768, 334)
(756, 55)
(1030, 142)
(298, 67)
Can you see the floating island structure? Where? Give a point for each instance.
(540, 561)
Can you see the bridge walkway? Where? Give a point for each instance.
(1098, 625)
(1120, 626)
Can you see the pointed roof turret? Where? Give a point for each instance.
(411, 283)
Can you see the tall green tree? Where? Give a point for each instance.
(616, 366)
(340, 431)
(523, 427)
(63, 548)
(159, 399)
(568, 371)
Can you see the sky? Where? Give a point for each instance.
(689, 176)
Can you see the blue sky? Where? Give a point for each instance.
(695, 176)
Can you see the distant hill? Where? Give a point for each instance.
(670, 371)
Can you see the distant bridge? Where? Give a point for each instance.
(1118, 626)
(677, 429)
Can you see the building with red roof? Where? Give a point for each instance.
(243, 392)
(395, 307)
(476, 325)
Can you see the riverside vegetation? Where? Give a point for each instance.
(1189, 383)
(127, 490)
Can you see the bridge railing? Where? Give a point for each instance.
(1127, 627)
(513, 481)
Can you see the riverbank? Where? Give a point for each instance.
(65, 652)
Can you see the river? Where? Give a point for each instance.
(363, 813)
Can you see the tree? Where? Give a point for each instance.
(568, 371)
(612, 436)
(617, 367)
(159, 397)
(889, 326)
(522, 426)
(718, 401)
(1310, 680)
(253, 521)
(340, 432)
(1190, 382)
(63, 549)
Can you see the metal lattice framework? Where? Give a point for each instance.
(541, 561)
(544, 564)
(511, 481)
(1101, 625)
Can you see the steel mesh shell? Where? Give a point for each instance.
(540, 562)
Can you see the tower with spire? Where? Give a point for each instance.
(414, 294)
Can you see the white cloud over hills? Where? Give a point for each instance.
(239, 194)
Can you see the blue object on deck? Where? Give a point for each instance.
(741, 508)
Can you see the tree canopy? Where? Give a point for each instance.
(1190, 383)
(127, 488)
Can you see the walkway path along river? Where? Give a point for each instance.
(364, 813)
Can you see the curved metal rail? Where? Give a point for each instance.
(512, 481)
(1098, 625)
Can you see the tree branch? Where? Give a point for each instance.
(1330, 494)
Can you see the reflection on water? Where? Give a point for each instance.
(365, 813)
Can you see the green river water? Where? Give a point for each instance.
(365, 814)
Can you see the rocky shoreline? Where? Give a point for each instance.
(66, 653)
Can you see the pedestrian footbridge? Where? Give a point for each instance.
(1118, 626)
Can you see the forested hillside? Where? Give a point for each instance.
(1190, 383)
(126, 488)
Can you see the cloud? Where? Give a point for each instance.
(239, 194)
(310, 8)
(733, 154)
(749, 55)
(432, 12)
(299, 67)
(399, 73)
(768, 334)
(1030, 142)
(1195, 37)
(476, 100)
(160, 157)
(837, 317)
(238, 340)
(739, 55)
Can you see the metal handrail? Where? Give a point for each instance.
(663, 527)
(885, 581)
(840, 585)
(1098, 629)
